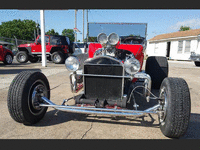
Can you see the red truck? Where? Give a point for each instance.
(6, 54)
(57, 49)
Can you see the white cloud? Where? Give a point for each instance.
(192, 23)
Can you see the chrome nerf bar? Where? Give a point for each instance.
(102, 111)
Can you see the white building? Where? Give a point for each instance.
(176, 45)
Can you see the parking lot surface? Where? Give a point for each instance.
(62, 125)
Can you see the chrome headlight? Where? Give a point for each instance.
(113, 38)
(132, 66)
(72, 63)
(102, 38)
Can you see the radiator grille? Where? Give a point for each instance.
(109, 88)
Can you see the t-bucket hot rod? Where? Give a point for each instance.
(109, 79)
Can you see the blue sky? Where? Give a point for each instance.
(158, 21)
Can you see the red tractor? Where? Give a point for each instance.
(57, 50)
(6, 54)
(113, 82)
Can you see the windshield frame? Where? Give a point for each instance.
(120, 23)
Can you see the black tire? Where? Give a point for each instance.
(197, 63)
(39, 59)
(58, 57)
(157, 68)
(33, 59)
(176, 105)
(8, 59)
(48, 58)
(22, 57)
(19, 100)
(66, 56)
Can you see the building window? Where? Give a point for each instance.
(180, 46)
(156, 48)
(187, 46)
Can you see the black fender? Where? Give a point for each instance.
(27, 49)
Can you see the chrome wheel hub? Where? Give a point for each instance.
(9, 59)
(37, 92)
(22, 57)
(163, 105)
(57, 58)
(38, 89)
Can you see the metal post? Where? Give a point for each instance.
(83, 25)
(37, 27)
(87, 26)
(75, 40)
(15, 40)
(44, 63)
(34, 34)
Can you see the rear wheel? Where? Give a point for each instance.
(157, 68)
(22, 57)
(8, 59)
(197, 63)
(24, 97)
(175, 107)
(58, 57)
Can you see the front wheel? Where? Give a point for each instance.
(8, 59)
(175, 107)
(24, 97)
(22, 57)
(58, 57)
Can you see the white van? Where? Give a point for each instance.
(80, 48)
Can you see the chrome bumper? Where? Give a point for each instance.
(99, 111)
(194, 56)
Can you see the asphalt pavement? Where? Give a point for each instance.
(62, 125)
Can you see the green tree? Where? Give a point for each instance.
(184, 28)
(85, 40)
(51, 32)
(69, 33)
(21, 29)
(92, 39)
(131, 35)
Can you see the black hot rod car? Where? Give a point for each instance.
(109, 80)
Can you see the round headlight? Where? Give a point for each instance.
(72, 63)
(132, 66)
(102, 38)
(113, 38)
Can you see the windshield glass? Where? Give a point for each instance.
(46, 39)
(79, 45)
(122, 29)
(58, 40)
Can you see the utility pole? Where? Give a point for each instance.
(44, 61)
(87, 25)
(37, 26)
(34, 35)
(83, 25)
(75, 40)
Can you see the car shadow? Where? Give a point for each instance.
(14, 65)
(15, 71)
(193, 131)
(55, 117)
